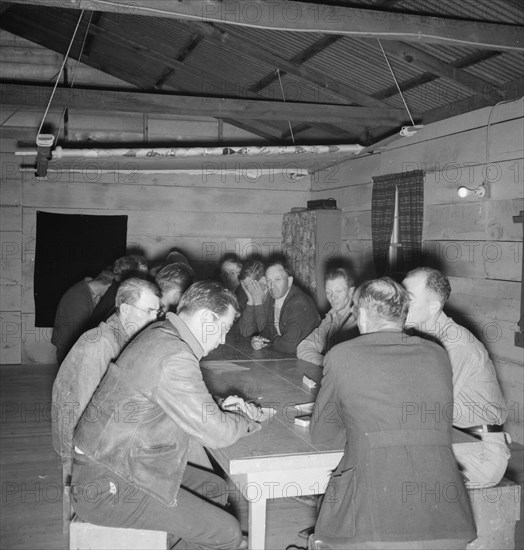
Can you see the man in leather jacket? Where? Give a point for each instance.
(150, 416)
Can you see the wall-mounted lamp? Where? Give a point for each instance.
(482, 191)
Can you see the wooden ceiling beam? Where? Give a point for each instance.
(259, 128)
(411, 83)
(300, 58)
(288, 15)
(254, 50)
(173, 65)
(265, 130)
(143, 102)
(431, 64)
(180, 58)
(512, 91)
(34, 31)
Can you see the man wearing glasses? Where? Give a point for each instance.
(137, 305)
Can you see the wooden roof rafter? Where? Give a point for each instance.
(431, 64)
(253, 50)
(409, 84)
(81, 97)
(119, 41)
(318, 18)
(180, 58)
(28, 27)
(511, 90)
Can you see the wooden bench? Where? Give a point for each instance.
(86, 536)
(496, 511)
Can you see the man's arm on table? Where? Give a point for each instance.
(312, 348)
(185, 398)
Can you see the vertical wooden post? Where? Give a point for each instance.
(519, 336)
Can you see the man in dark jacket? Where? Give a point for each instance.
(74, 310)
(149, 417)
(385, 394)
(284, 317)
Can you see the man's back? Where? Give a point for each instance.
(79, 375)
(72, 317)
(391, 394)
(477, 395)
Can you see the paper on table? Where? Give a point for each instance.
(309, 382)
(305, 408)
(222, 366)
(303, 421)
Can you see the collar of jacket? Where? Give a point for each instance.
(185, 334)
(116, 326)
(293, 290)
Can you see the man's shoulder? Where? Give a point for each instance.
(103, 335)
(77, 294)
(455, 337)
(298, 296)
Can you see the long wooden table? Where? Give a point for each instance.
(280, 460)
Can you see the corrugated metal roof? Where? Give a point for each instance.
(144, 51)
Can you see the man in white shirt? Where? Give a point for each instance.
(339, 324)
(478, 405)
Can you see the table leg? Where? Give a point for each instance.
(257, 524)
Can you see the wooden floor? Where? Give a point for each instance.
(31, 506)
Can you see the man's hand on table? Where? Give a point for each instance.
(259, 342)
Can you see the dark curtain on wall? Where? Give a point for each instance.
(410, 187)
(69, 248)
(382, 217)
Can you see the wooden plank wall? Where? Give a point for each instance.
(475, 241)
(203, 216)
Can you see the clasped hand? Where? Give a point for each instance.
(235, 403)
(259, 342)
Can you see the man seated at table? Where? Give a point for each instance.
(285, 318)
(74, 311)
(339, 324)
(126, 266)
(173, 280)
(375, 391)
(137, 304)
(479, 407)
(165, 412)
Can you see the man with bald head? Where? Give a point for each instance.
(371, 401)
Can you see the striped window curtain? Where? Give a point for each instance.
(382, 217)
(410, 187)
